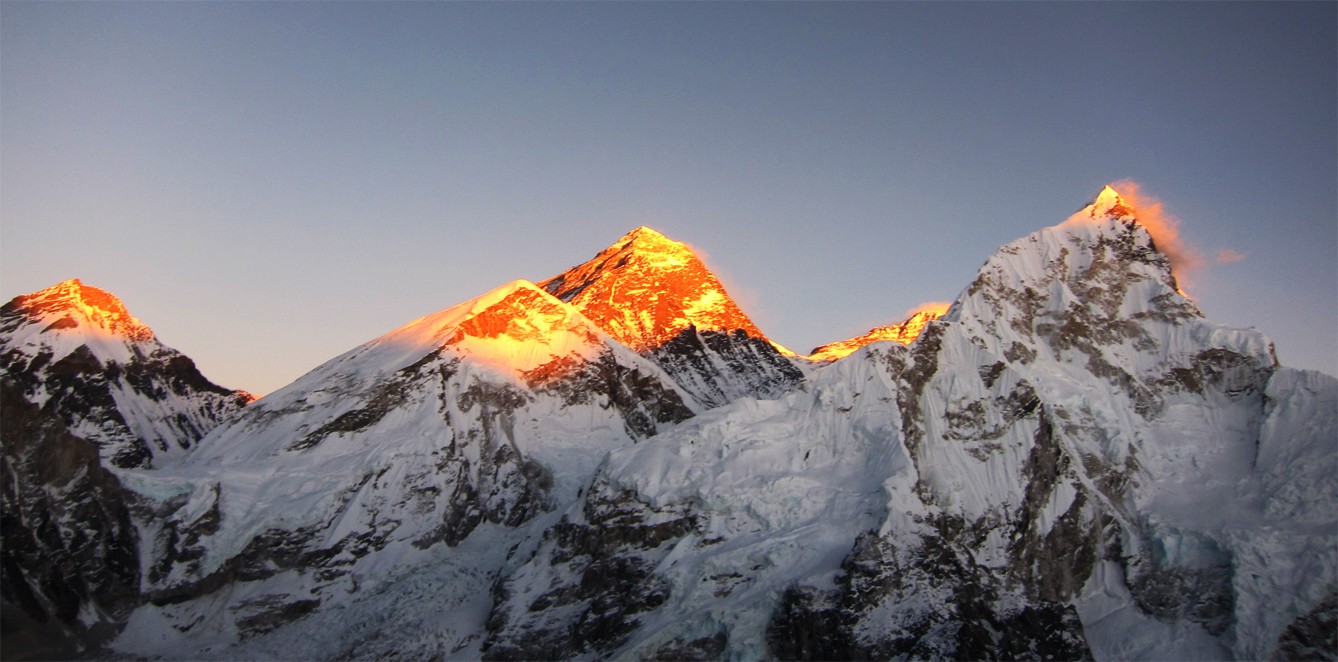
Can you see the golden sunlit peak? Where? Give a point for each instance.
(1109, 202)
(646, 289)
(74, 292)
(72, 304)
(1125, 200)
(646, 237)
(905, 333)
(932, 309)
(645, 231)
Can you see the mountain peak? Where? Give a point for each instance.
(513, 328)
(646, 233)
(1108, 203)
(647, 243)
(646, 289)
(71, 303)
(904, 333)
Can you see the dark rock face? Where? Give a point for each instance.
(645, 402)
(810, 624)
(593, 575)
(1313, 636)
(1200, 591)
(718, 367)
(70, 546)
(925, 600)
(81, 391)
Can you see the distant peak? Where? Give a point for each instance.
(904, 333)
(72, 303)
(647, 288)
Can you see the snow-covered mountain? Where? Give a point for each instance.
(1070, 462)
(78, 353)
(486, 415)
(654, 295)
(87, 388)
(904, 333)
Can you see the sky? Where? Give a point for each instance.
(268, 185)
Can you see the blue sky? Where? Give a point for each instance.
(269, 184)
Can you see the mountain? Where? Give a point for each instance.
(904, 333)
(654, 295)
(76, 351)
(87, 390)
(1070, 462)
(469, 423)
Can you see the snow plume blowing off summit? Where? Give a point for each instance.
(1152, 215)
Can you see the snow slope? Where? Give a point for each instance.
(487, 414)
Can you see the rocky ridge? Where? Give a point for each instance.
(904, 333)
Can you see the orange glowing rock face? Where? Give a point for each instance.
(523, 316)
(646, 288)
(904, 333)
(529, 333)
(87, 308)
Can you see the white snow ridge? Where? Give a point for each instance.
(1072, 462)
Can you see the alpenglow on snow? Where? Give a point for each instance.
(1068, 461)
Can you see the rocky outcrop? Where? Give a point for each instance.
(71, 551)
(596, 577)
(719, 367)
